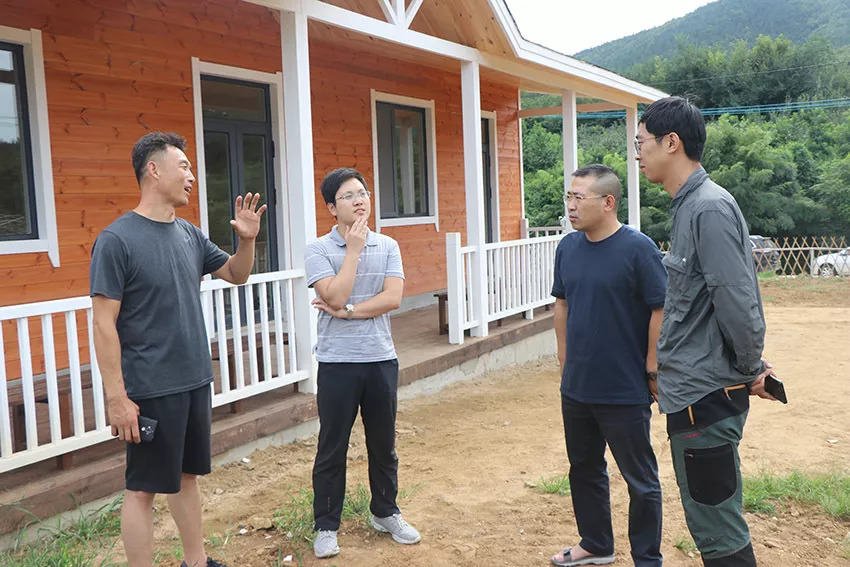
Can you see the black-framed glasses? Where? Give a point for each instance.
(578, 198)
(639, 142)
(351, 196)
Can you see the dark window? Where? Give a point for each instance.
(402, 161)
(17, 190)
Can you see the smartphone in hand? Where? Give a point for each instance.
(775, 387)
(147, 428)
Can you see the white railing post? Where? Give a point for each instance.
(632, 168)
(299, 170)
(523, 228)
(455, 287)
(474, 185)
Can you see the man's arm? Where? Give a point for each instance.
(652, 350)
(123, 413)
(729, 276)
(388, 300)
(560, 322)
(334, 291)
(247, 226)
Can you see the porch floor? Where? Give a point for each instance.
(44, 491)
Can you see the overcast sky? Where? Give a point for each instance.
(569, 26)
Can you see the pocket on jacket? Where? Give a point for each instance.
(711, 473)
(679, 290)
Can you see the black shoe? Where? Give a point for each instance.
(210, 563)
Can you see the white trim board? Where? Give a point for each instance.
(275, 82)
(42, 161)
(559, 71)
(495, 207)
(431, 135)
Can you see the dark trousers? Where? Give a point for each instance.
(625, 428)
(342, 389)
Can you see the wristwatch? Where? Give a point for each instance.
(349, 310)
(652, 376)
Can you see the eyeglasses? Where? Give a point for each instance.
(579, 198)
(639, 142)
(351, 196)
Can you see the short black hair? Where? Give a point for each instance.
(607, 182)
(333, 180)
(676, 114)
(152, 143)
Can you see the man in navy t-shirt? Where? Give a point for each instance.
(609, 287)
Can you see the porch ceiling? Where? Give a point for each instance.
(467, 22)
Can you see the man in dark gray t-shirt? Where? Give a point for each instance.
(151, 342)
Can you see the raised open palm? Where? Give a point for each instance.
(246, 221)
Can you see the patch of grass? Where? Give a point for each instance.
(88, 542)
(172, 555)
(559, 485)
(295, 518)
(830, 492)
(685, 544)
(767, 276)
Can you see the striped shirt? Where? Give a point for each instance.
(355, 340)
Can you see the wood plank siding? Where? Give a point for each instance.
(116, 69)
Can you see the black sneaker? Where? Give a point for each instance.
(210, 563)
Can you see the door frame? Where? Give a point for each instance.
(490, 115)
(283, 223)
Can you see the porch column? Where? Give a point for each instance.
(299, 179)
(632, 167)
(474, 181)
(569, 130)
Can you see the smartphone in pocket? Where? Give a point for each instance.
(775, 387)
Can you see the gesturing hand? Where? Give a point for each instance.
(355, 235)
(246, 221)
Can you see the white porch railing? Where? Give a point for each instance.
(39, 363)
(519, 277)
(538, 231)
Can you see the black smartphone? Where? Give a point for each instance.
(775, 387)
(147, 428)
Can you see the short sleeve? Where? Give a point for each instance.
(214, 257)
(558, 289)
(317, 265)
(395, 269)
(652, 277)
(109, 267)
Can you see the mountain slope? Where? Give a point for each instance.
(724, 21)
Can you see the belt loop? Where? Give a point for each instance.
(691, 414)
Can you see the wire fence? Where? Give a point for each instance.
(820, 256)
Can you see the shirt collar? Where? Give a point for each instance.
(371, 238)
(691, 184)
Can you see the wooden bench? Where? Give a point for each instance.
(442, 313)
(63, 383)
(16, 404)
(236, 407)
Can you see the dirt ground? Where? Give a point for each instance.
(469, 453)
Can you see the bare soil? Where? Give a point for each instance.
(469, 453)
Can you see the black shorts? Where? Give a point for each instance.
(181, 443)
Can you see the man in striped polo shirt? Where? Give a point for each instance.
(358, 278)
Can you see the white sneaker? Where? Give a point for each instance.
(395, 525)
(325, 544)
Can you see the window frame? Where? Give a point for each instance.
(430, 158)
(41, 186)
